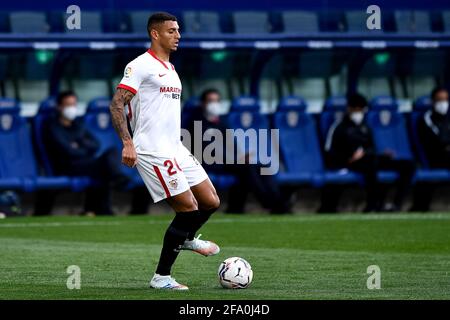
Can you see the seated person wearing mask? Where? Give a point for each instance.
(73, 152)
(350, 145)
(265, 187)
(434, 131)
(434, 136)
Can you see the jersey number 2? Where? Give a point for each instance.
(170, 170)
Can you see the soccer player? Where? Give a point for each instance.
(151, 91)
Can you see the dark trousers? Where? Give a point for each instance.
(265, 188)
(423, 191)
(106, 168)
(140, 201)
(107, 171)
(368, 166)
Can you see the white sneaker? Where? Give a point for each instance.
(166, 282)
(204, 247)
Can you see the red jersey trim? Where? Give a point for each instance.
(154, 56)
(158, 173)
(124, 86)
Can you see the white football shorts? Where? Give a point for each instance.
(166, 177)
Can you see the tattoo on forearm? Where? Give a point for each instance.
(121, 98)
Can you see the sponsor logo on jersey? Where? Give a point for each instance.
(128, 72)
(169, 90)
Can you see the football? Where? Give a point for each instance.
(235, 273)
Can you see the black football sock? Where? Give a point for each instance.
(181, 226)
(200, 219)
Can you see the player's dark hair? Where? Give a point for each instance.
(356, 100)
(206, 93)
(64, 94)
(436, 91)
(157, 18)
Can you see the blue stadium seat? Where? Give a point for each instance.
(245, 114)
(357, 22)
(332, 113)
(98, 122)
(388, 127)
(300, 148)
(45, 111)
(423, 103)
(201, 22)
(251, 22)
(390, 132)
(4, 22)
(300, 22)
(222, 181)
(422, 22)
(331, 21)
(188, 109)
(421, 106)
(28, 22)
(381, 103)
(91, 22)
(446, 20)
(412, 21)
(18, 167)
(114, 21)
(138, 21)
(404, 21)
(3, 67)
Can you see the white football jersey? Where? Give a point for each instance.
(155, 110)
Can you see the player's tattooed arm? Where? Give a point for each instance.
(121, 98)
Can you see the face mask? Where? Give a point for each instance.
(441, 107)
(213, 109)
(70, 112)
(357, 117)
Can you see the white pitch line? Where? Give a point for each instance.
(57, 224)
(286, 219)
(36, 245)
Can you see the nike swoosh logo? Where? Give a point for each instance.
(162, 75)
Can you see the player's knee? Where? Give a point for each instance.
(212, 204)
(191, 205)
(184, 204)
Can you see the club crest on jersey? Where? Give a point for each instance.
(128, 72)
(173, 184)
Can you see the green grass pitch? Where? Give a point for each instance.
(293, 257)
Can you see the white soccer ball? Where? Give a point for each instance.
(235, 273)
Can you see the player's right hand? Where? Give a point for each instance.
(359, 153)
(129, 155)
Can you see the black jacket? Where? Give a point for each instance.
(344, 139)
(69, 145)
(434, 135)
(198, 115)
